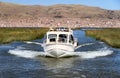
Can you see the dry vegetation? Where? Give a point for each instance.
(111, 36)
(21, 34)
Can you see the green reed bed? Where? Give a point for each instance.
(110, 36)
(21, 34)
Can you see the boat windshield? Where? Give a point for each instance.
(62, 38)
(52, 37)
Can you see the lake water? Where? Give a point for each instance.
(96, 60)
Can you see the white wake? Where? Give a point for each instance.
(26, 53)
(83, 55)
(94, 54)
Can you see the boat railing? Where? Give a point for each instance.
(65, 29)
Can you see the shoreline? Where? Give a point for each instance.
(8, 35)
(110, 36)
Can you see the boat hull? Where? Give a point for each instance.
(58, 50)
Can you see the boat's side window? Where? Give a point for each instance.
(71, 39)
(62, 38)
(52, 37)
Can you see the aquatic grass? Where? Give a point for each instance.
(21, 34)
(110, 36)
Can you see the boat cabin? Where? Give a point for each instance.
(59, 35)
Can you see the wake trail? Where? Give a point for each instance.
(84, 45)
(82, 55)
(28, 42)
(94, 54)
(26, 53)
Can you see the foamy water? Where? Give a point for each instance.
(84, 55)
(94, 54)
(26, 53)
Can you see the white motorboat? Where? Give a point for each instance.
(59, 41)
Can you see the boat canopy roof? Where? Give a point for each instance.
(65, 29)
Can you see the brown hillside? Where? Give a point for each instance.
(15, 15)
(8, 10)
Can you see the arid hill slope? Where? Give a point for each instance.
(16, 15)
(8, 10)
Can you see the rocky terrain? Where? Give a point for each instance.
(16, 15)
